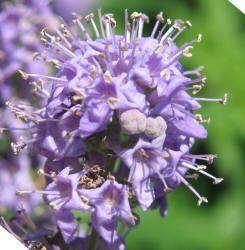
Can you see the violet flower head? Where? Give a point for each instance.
(116, 100)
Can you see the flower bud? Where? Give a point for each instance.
(155, 127)
(133, 122)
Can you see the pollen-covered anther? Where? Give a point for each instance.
(224, 99)
(41, 171)
(18, 146)
(218, 180)
(89, 17)
(198, 118)
(53, 206)
(143, 154)
(169, 22)
(199, 38)
(18, 192)
(176, 27)
(167, 189)
(128, 194)
(145, 18)
(107, 77)
(35, 55)
(194, 176)
(165, 155)
(111, 100)
(53, 176)
(93, 71)
(23, 74)
(77, 98)
(44, 41)
(159, 48)
(197, 88)
(201, 167)
(186, 52)
(132, 218)
(41, 82)
(54, 62)
(111, 177)
(203, 199)
(80, 92)
(159, 17)
(84, 199)
(135, 15)
(169, 41)
(188, 23)
(110, 18)
(203, 79)
(165, 73)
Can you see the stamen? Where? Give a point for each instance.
(85, 199)
(37, 88)
(166, 188)
(187, 25)
(53, 206)
(10, 129)
(68, 44)
(80, 92)
(169, 22)
(126, 28)
(82, 28)
(165, 73)
(195, 71)
(186, 183)
(90, 18)
(110, 101)
(221, 101)
(169, 32)
(25, 76)
(159, 20)
(51, 176)
(55, 42)
(107, 77)
(101, 23)
(209, 157)
(200, 168)
(198, 118)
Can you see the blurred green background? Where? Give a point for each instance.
(220, 224)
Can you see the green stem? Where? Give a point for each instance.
(93, 240)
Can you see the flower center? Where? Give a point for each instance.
(92, 179)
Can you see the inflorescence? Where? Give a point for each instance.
(116, 123)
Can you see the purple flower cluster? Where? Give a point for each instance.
(116, 123)
(20, 24)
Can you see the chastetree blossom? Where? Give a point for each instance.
(116, 124)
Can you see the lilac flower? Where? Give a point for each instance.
(62, 196)
(144, 160)
(111, 204)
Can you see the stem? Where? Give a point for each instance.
(93, 240)
(110, 163)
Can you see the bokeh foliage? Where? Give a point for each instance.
(221, 223)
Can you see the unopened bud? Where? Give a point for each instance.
(155, 127)
(133, 122)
